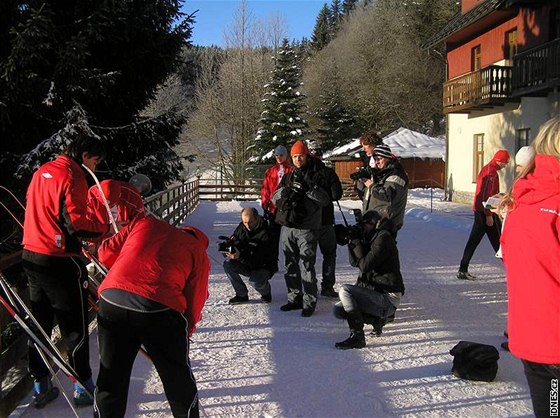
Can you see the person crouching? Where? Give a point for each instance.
(378, 290)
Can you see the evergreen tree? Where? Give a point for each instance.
(335, 17)
(102, 60)
(348, 6)
(281, 122)
(338, 125)
(322, 31)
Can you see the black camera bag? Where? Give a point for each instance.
(475, 361)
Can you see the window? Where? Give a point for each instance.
(476, 58)
(478, 154)
(511, 44)
(522, 138)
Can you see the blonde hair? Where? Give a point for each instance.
(547, 141)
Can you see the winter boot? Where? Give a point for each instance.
(357, 338)
(81, 396)
(44, 392)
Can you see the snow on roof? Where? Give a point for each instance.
(403, 142)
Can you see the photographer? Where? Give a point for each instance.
(366, 172)
(387, 192)
(250, 252)
(300, 198)
(378, 290)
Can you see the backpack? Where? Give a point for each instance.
(475, 361)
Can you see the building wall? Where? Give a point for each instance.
(492, 46)
(499, 131)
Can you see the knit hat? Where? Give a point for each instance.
(383, 151)
(299, 148)
(501, 156)
(280, 150)
(111, 190)
(524, 155)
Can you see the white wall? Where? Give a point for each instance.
(499, 131)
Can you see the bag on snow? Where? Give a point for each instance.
(475, 361)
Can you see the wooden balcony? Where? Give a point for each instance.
(537, 71)
(485, 88)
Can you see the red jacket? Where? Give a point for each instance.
(128, 201)
(531, 252)
(56, 213)
(162, 263)
(271, 180)
(487, 185)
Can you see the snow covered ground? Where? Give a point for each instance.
(255, 361)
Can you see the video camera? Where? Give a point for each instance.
(227, 245)
(363, 172)
(346, 233)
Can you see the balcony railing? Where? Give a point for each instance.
(537, 70)
(484, 88)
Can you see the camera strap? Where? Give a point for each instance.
(342, 213)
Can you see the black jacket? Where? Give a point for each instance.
(313, 188)
(377, 257)
(334, 190)
(256, 247)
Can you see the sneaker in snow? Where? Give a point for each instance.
(329, 292)
(236, 300)
(465, 275)
(82, 398)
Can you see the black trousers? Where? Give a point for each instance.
(58, 289)
(478, 230)
(539, 377)
(164, 336)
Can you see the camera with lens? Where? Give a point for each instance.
(227, 245)
(346, 233)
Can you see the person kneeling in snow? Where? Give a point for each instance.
(379, 288)
(253, 256)
(153, 296)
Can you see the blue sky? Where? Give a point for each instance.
(214, 16)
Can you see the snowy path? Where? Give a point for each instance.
(255, 361)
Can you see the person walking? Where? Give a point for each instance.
(253, 257)
(531, 253)
(379, 288)
(485, 221)
(327, 236)
(152, 296)
(56, 220)
(300, 199)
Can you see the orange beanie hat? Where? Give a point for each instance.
(299, 148)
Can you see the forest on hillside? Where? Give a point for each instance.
(127, 73)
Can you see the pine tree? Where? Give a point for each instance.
(338, 125)
(348, 6)
(322, 31)
(103, 60)
(335, 17)
(281, 122)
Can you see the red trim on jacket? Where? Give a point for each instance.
(56, 213)
(531, 253)
(162, 263)
(270, 184)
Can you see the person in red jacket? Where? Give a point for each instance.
(272, 179)
(153, 296)
(485, 221)
(531, 254)
(56, 219)
(123, 199)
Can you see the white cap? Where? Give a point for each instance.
(524, 155)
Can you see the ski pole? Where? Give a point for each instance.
(103, 198)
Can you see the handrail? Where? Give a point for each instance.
(175, 204)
